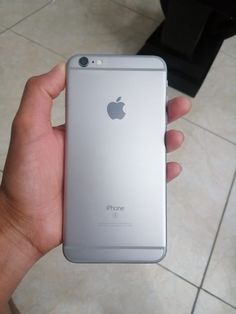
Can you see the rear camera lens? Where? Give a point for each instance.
(83, 61)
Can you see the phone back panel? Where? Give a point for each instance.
(115, 168)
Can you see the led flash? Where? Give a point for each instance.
(99, 62)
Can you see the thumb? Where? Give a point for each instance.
(36, 103)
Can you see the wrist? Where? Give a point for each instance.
(11, 233)
(16, 258)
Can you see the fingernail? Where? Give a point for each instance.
(180, 168)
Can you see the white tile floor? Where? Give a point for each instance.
(2, 29)
(199, 272)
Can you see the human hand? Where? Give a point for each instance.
(31, 193)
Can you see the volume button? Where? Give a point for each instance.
(167, 96)
(167, 99)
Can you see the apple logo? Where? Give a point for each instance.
(115, 109)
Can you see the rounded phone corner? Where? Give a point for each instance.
(65, 252)
(161, 255)
(71, 61)
(161, 62)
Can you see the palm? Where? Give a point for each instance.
(36, 187)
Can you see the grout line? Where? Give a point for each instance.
(177, 275)
(135, 11)
(202, 127)
(215, 296)
(218, 229)
(37, 43)
(214, 242)
(51, 1)
(31, 40)
(32, 13)
(195, 301)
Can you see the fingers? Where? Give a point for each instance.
(39, 92)
(178, 107)
(174, 140)
(173, 169)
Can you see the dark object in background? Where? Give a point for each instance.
(190, 38)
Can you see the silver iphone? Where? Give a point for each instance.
(115, 159)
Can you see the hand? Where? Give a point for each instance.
(31, 193)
